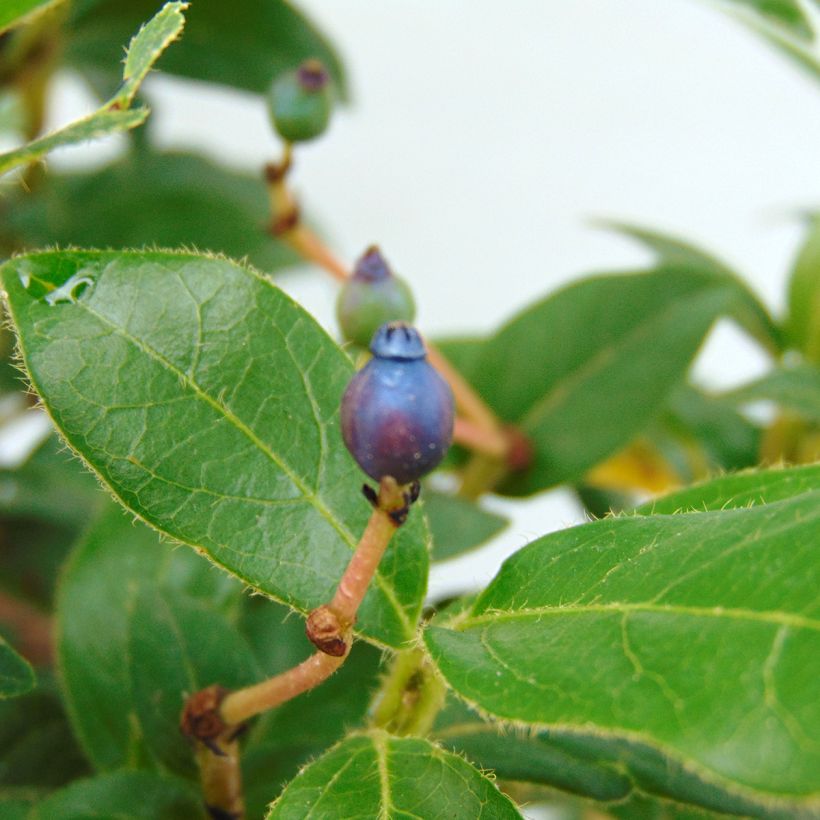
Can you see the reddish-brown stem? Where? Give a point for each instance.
(311, 248)
(468, 401)
(221, 778)
(469, 434)
(245, 703)
(356, 579)
(213, 717)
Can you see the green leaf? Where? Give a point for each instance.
(16, 674)
(528, 757)
(793, 388)
(785, 13)
(244, 44)
(287, 737)
(100, 124)
(782, 28)
(803, 323)
(115, 115)
(126, 795)
(163, 200)
(208, 401)
(51, 485)
(376, 775)
(745, 308)
(17, 12)
(178, 646)
(31, 728)
(632, 340)
(458, 525)
(44, 504)
(115, 559)
(693, 636)
(145, 48)
(738, 490)
(711, 424)
(17, 804)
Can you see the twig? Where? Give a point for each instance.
(213, 718)
(475, 437)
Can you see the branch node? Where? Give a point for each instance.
(520, 451)
(327, 632)
(201, 719)
(286, 222)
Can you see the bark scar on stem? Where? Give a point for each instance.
(201, 719)
(327, 632)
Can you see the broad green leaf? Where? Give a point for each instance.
(177, 646)
(376, 775)
(243, 44)
(713, 426)
(746, 308)
(624, 777)
(16, 674)
(803, 322)
(145, 199)
(287, 737)
(114, 559)
(458, 525)
(16, 12)
(463, 352)
(32, 727)
(115, 115)
(794, 388)
(586, 369)
(737, 490)
(529, 757)
(126, 795)
(694, 636)
(208, 401)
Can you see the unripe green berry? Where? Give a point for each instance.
(371, 297)
(300, 102)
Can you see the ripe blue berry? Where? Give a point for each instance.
(397, 412)
(300, 102)
(372, 296)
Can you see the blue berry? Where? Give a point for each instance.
(372, 296)
(397, 412)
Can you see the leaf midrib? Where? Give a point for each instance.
(773, 617)
(239, 425)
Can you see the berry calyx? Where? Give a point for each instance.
(372, 296)
(397, 412)
(300, 102)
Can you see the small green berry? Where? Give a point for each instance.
(300, 102)
(371, 297)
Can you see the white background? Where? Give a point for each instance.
(484, 136)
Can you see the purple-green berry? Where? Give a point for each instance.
(372, 296)
(300, 102)
(397, 412)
